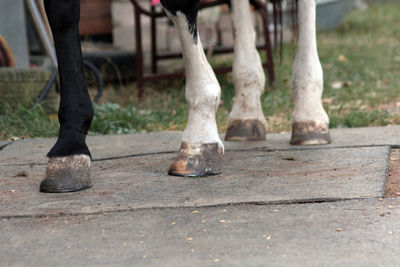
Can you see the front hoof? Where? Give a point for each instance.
(196, 160)
(310, 133)
(67, 174)
(246, 130)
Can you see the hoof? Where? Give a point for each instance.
(246, 130)
(309, 133)
(196, 160)
(67, 174)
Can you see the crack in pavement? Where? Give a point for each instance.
(5, 145)
(114, 209)
(257, 149)
(246, 203)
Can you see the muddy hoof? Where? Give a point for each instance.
(246, 130)
(309, 133)
(196, 160)
(67, 174)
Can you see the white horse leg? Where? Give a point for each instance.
(310, 123)
(201, 150)
(246, 120)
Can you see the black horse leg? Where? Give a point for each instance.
(69, 160)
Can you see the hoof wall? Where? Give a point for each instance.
(197, 160)
(67, 174)
(309, 133)
(246, 130)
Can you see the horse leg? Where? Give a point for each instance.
(69, 160)
(201, 150)
(310, 123)
(246, 120)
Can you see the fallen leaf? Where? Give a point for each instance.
(347, 83)
(21, 174)
(342, 58)
(268, 237)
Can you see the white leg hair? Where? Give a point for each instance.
(310, 123)
(202, 88)
(248, 77)
(201, 145)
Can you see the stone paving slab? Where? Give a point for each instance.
(104, 146)
(349, 233)
(124, 145)
(249, 176)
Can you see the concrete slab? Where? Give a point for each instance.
(125, 145)
(102, 147)
(350, 233)
(249, 177)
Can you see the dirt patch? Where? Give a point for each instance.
(393, 180)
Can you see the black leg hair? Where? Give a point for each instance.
(189, 8)
(75, 111)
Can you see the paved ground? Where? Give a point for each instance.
(274, 205)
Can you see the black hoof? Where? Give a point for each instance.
(197, 160)
(309, 133)
(246, 130)
(67, 174)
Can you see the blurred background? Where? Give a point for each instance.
(358, 43)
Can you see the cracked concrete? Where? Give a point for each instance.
(350, 233)
(274, 205)
(3, 144)
(117, 146)
(254, 176)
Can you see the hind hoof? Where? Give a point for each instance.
(310, 133)
(67, 174)
(246, 130)
(197, 160)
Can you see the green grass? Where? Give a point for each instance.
(24, 122)
(361, 62)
